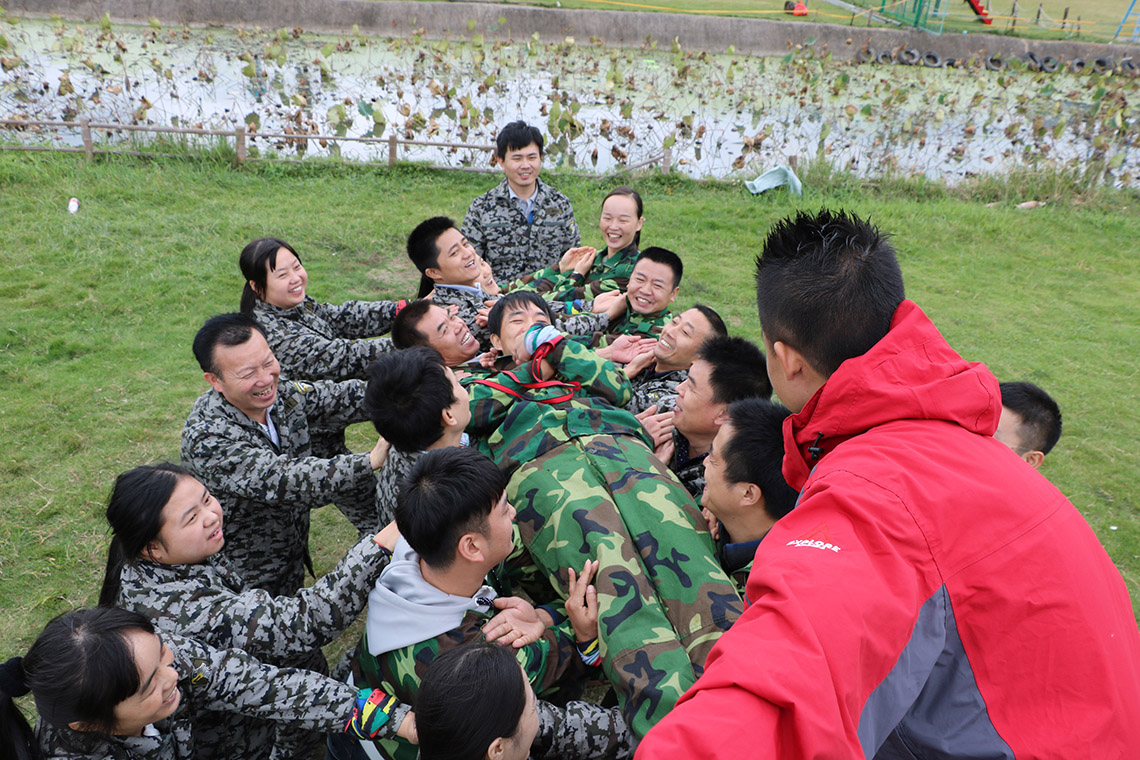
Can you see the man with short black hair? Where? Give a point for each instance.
(929, 595)
(522, 225)
(424, 323)
(656, 374)
(1030, 421)
(724, 370)
(248, 441)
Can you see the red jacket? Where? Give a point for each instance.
(931, 595)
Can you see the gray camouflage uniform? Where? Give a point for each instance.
(580, 731)
(651, 387)
(396, 467)
(499, 230)
(266, 492)
(219, 680)
(209, 602)
(690, 470)
(321, 341)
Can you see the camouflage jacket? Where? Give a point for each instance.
(689, 470)
(580, 731)
(514, 423)
(321, 341)
(210, 602)
(651, 387)
(500, 232)
(611, 273)
(389, 478)
(632, 323)
(266, 492)
(216, 680)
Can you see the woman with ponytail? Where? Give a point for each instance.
(106, 685)
(164, 563)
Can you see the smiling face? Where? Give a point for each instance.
(191, 526)
(620, 222)
(680, 340)
(651, 287)
(519, 317)
(158, 695)
(458, 264)
(697, 414)
(720, 497)
(247, 376)
(449, 335)
(285, 285)
(500, 535)
(521, 167)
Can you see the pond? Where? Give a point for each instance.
(721, 115)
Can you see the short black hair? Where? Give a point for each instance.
(719, 328)
(666, 257)
(827, 284)
(755, 453)
(222, 330)
(516, 136)
(1040, 416)
(406, 326)
(738, 369)
(495, 315)
(449, 492)
(407, 392)
(422, 248)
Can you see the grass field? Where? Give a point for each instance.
(100, 307)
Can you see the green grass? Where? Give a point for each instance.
(100, 308)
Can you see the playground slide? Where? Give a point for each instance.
(981, 11)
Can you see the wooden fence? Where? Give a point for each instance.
(241, 149)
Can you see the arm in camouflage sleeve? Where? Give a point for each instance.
(582, 324)
(543, 281)
(599, 377)
(229, 680)
(580, 731)
(331, 405)
(307, 354)
(253, 620)
(362, 319)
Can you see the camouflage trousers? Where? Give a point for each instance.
(663, 600)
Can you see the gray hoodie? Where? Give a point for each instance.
(405, 609)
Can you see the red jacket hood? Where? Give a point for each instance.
(912, 373)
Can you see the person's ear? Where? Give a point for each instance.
(433, 274)
(215, 381)
(673, 296)
(257, 291)
(447, 419)
(497, 343)
(751, 496)
(154, 551)
(791, 362)
(498, 749)
(1035, 458)
(721, 415)
(470, 547)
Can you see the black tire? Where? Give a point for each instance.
(1078, 65)
(1102, 65)
(909, 57)
(933, 60)
(1049, 64)
(1033, 61)
(864, 54)
(995, 62)
(1129, 67)
(884, 57)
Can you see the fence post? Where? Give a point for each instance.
(1064, 18)
(1038, 22)
(88, 146)
(1013, 23)
(392, 149)
(666, 160)
(239, 144)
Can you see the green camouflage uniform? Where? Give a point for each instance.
(651, 387)
(586, 486)
(500, 232)
(211, 603)
(266, 492)
(611, 273)
(632, 323)
(220, 681)
(321, 341)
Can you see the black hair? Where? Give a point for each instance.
(738, 369)
(406, 326)
(666, 257)
(755, 453)
(827, 284)
(222, 330)
(629, 192)
(1040, 416)
(406, 394)
(423, 249)
(516, 136)
(495, 315)
(449, 492)
(80, 667)
(17, 739)
(469, 696)
(257, 260)
(719, 328)
(134, 511)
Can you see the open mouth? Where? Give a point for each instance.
(265, 393)
(465, 339)
(216, 534)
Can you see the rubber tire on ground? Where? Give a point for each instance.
(1129, 67)
(909, 57)
(1078, 65)
(995, 63)
(884, 56)
(1049, 64)
(933, 60)
(1033, 61)
(864, 54)
(1102, 65)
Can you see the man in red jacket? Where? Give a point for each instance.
(931, 595)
